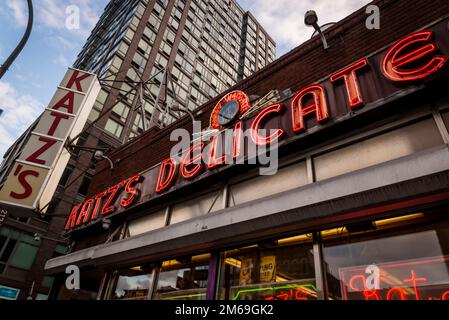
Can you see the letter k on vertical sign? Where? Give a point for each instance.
(35, 174)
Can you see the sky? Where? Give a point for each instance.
(28, 86)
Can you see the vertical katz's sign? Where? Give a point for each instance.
(35, 174)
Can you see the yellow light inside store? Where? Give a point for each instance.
(385, 222)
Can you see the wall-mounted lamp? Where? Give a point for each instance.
(106, 223)
(311, 20)
(99, 155)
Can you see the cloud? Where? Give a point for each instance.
(284, 19)
(19, 12)
(19, 112)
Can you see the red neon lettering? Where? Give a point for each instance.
(85, 211)
(255, 126)
(318, 107)
(72, 217)
(28, 190)
(35, 156)
(96, 209)
(299, 295)
(66, 102)
(131, 190)
(352, 84)
(399, 63)
(213, 160)
(165, 179)
(237, 141)
(56, 122)
(76, 79)
(108, 205)
(402, 294)
(195, 162)
(445, 296)
(414, 281)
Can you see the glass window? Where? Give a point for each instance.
(403, 258)
(148, 223)
(66, 175)
(114, 128)
(276, 270)
(183, 278)
(197, 207)
(133, 283)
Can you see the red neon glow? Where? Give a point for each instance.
(165, 179)
(239, 96)
(399, 62)
(349, 76)
(395, 291)
(71, 220)
(97, 205)
(261, 117)
(192, 159)
(108, 205)
(237, 140)
(214, 160)
(318, 107)
(414, 280)
(85, 212)
(131, 191)
(398, 281)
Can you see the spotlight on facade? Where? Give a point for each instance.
(106, 224)
(37, 237)
(311, 20)
(99, 155)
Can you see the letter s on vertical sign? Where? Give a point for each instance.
(401, 61)
(22, 178)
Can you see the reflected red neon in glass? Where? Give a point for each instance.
(349, 76)
(318, 107)
(257, 122)
(166, 178)
(131, 191)
(399, 63)
(192, 159)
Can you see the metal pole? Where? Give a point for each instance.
(22, 42)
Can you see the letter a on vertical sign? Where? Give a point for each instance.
(35, 174)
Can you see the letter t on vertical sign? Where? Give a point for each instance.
(36, 173)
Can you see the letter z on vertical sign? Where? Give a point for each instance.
(35, 174)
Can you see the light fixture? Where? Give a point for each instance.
(99, 155)
(311, 20)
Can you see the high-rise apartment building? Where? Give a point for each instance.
(202, 46)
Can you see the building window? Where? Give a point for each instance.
(114, 128)
(84, 185)
(274, 270)
(66, 175)
(183, 278)
(402, 258)
(17, 250)
(132, 283)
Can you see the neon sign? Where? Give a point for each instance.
(424, 279)
(413, 58)
(280, 292)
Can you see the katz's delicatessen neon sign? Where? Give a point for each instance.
(405, 63)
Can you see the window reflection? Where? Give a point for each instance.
(280, 270)
(406, 261)
(183, 279)
(133, 283)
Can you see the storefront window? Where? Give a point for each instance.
(405, 258)
(278, 270)
(183, 279)
(133, 283)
